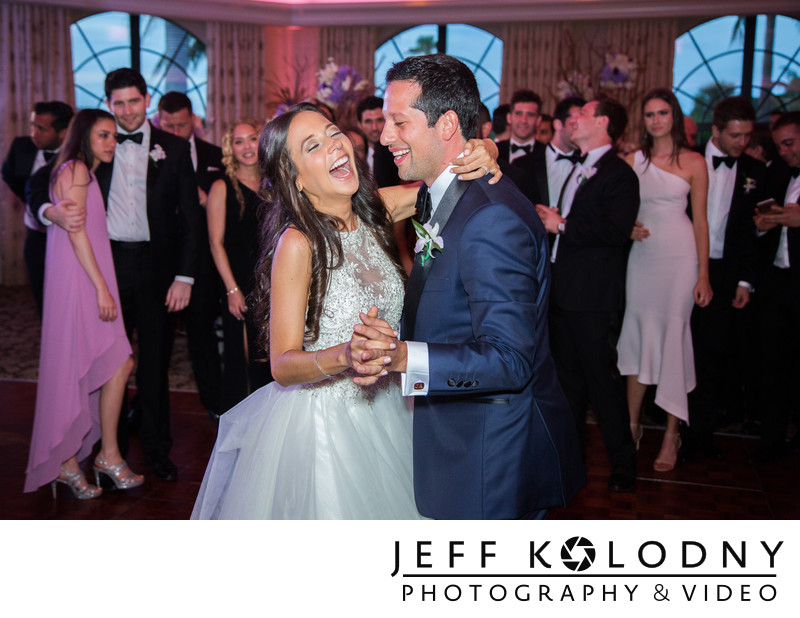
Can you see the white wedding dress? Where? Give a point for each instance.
(328, 450)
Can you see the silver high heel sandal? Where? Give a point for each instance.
(120, 474)
(77, 482)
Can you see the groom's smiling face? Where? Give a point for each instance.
(418, 152)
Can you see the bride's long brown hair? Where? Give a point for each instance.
(287, 207)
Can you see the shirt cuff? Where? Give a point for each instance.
(744, 284)
(181, 278)
(415, 380)
(42, 219)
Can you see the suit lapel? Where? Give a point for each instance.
(541, 175)
(103, 175)
(598, 166)
(419, 274)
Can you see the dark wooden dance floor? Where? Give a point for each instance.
(727, 489)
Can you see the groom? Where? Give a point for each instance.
(493, 435)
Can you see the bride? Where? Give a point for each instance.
(314, 445)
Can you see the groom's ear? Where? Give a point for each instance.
(448, 126)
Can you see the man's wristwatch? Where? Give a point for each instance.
(562, 227)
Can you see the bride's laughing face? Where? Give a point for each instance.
(323, 156)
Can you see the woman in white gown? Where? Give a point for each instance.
(313, 444)
(667, 271)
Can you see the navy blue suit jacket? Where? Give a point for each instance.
(494, 437)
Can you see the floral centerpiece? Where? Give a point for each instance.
(575, 84)
(618, 72)
(340, 85)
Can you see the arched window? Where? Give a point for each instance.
(169, 57)
(478, 49)
(759, 55)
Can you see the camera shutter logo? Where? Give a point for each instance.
(578, 553)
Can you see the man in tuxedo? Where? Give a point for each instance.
(523, 121)
(370, 120)
(593, 224)
(736, 182)
(500, 122)
(28, 154)
(548, 166)
(154, 220)
(175, 116)
(493, 438)
(779, 295)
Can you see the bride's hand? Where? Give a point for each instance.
(702, 292)
(639, 232)
(480, 159)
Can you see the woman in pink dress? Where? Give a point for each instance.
(667, 271)
(85, 355)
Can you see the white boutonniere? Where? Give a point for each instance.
(749, 184)
(585, 174)
(157, 154)
(427, 240)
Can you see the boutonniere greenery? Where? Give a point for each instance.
(585, 174)
(427, 240)
(157, 154)
(749, 184)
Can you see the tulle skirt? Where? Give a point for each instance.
(311, 453)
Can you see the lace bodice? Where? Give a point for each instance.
(366, 277)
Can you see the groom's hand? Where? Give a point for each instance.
(374, 361)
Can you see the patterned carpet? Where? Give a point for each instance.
(20, 334)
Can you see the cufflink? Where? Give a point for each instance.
(418, 386)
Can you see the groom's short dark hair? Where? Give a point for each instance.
(446, 84)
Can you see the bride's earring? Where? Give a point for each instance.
(299, 186)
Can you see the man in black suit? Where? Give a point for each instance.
(380, 161)
(736, 182)
(779, 292)
(49, 121)
(598, 209)
(523, 121)
(153, 222)
(175, 116)
(547, 167)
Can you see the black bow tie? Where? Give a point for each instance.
(424, 205)
(527, 148)
(794, 171)
(134, 137)
(573, 158)
(49, 154)
(717, 161)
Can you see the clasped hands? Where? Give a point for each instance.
(374, 349)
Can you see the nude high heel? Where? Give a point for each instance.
(77, 482)
(667, 465)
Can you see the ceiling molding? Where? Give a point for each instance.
(392, 12)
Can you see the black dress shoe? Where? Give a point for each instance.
(164, 469)
(622, 483)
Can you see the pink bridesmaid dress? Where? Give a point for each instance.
(79, 351)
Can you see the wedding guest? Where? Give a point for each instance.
(548, 166)
(27, 154)
(500, 122)
(359, 141)
(779, 228)
(523, 121)
(736, 184)
(545, 131)
(667, 271)
(484, 122)
(85, 357)
(176, 116)
(598, 208)
(233, 223)
(153, 221)
(369, 114)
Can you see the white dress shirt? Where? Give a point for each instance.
(127, 197)
(792, 197)
(519, 153)
(193, 151)
(579, 174)
(721, 184)
(28, 218)
(416, 379)
(371, 158)
(557, 172)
